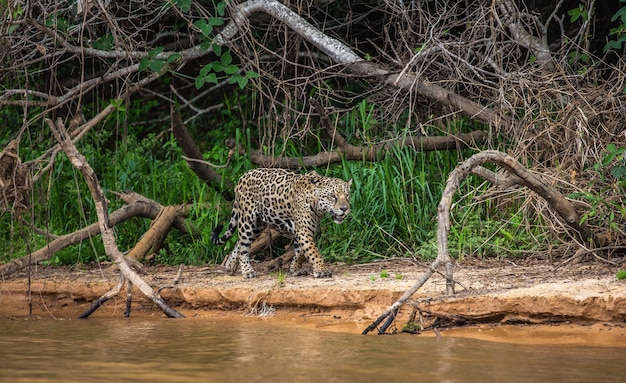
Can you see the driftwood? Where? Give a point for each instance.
(152, 240)
(514, 171)
(138, 206)
(108, 237)
(369, 153)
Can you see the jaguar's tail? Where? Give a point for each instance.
(215, 236)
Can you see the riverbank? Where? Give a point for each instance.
(490, 293)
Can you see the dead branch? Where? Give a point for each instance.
(61, 242)
(182, 211)
(370, 153)
(138, 206)
(189, 147)
(15, 180)
(539, 46)
(105, 297)
(153, 238)
(108, 237)
(341, 54)
(522, 176)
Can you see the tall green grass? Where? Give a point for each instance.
(394, 204)
(394, 201)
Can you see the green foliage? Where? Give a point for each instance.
(156, 64)
(619, 32)
(621, 274)
(393, 201)
(211, 72)
(280, 278)
(412, 328)
(606, 207)
(578, 13)
(616, 160)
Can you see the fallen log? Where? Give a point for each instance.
(138, 206)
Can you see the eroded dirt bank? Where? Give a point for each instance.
(585, 295)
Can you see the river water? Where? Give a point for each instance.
(227, 350)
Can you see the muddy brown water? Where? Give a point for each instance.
(265, 350)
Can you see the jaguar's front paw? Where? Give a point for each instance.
(298, 273)
(250, 274)
(323, 274)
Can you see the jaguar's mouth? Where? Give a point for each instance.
(338, 218)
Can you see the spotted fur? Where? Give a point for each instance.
(290, 202)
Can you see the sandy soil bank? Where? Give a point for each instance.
(582, 298)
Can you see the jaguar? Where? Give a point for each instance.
(290, 202)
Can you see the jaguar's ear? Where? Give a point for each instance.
(349, 183)
(314, 177)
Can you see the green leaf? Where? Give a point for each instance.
(143, 64)
(204, 27)
(183, 5)
(613, 151)
(156, 65)
(220, 8)
(216, 22)
(119, 105)
(104, 43)
(621, 14)
(251, 74)
(211, 78)
(611, 148)
(231, 69)
(205, 46)
(574, 14)
(199, 82)
(173, 57)
(217, 49)
(206, 69)
(612, 45)
(154, 52)
(226, 58)
(217, 66)
(619, 172)
(239, 80)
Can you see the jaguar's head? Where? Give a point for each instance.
(333, 197)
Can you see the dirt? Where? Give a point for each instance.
(585, 297)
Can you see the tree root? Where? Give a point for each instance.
(515, 173)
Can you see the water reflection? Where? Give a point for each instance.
(188, 350)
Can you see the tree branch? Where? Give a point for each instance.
(522, 176)
(202, 170)
(372, 153)
(108, 237)
(343, 55)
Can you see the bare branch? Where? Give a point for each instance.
(108, 237)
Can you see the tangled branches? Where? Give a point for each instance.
(531, 76)
(15, 180)
(553, 100)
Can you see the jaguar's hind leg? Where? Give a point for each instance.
(296, 268)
